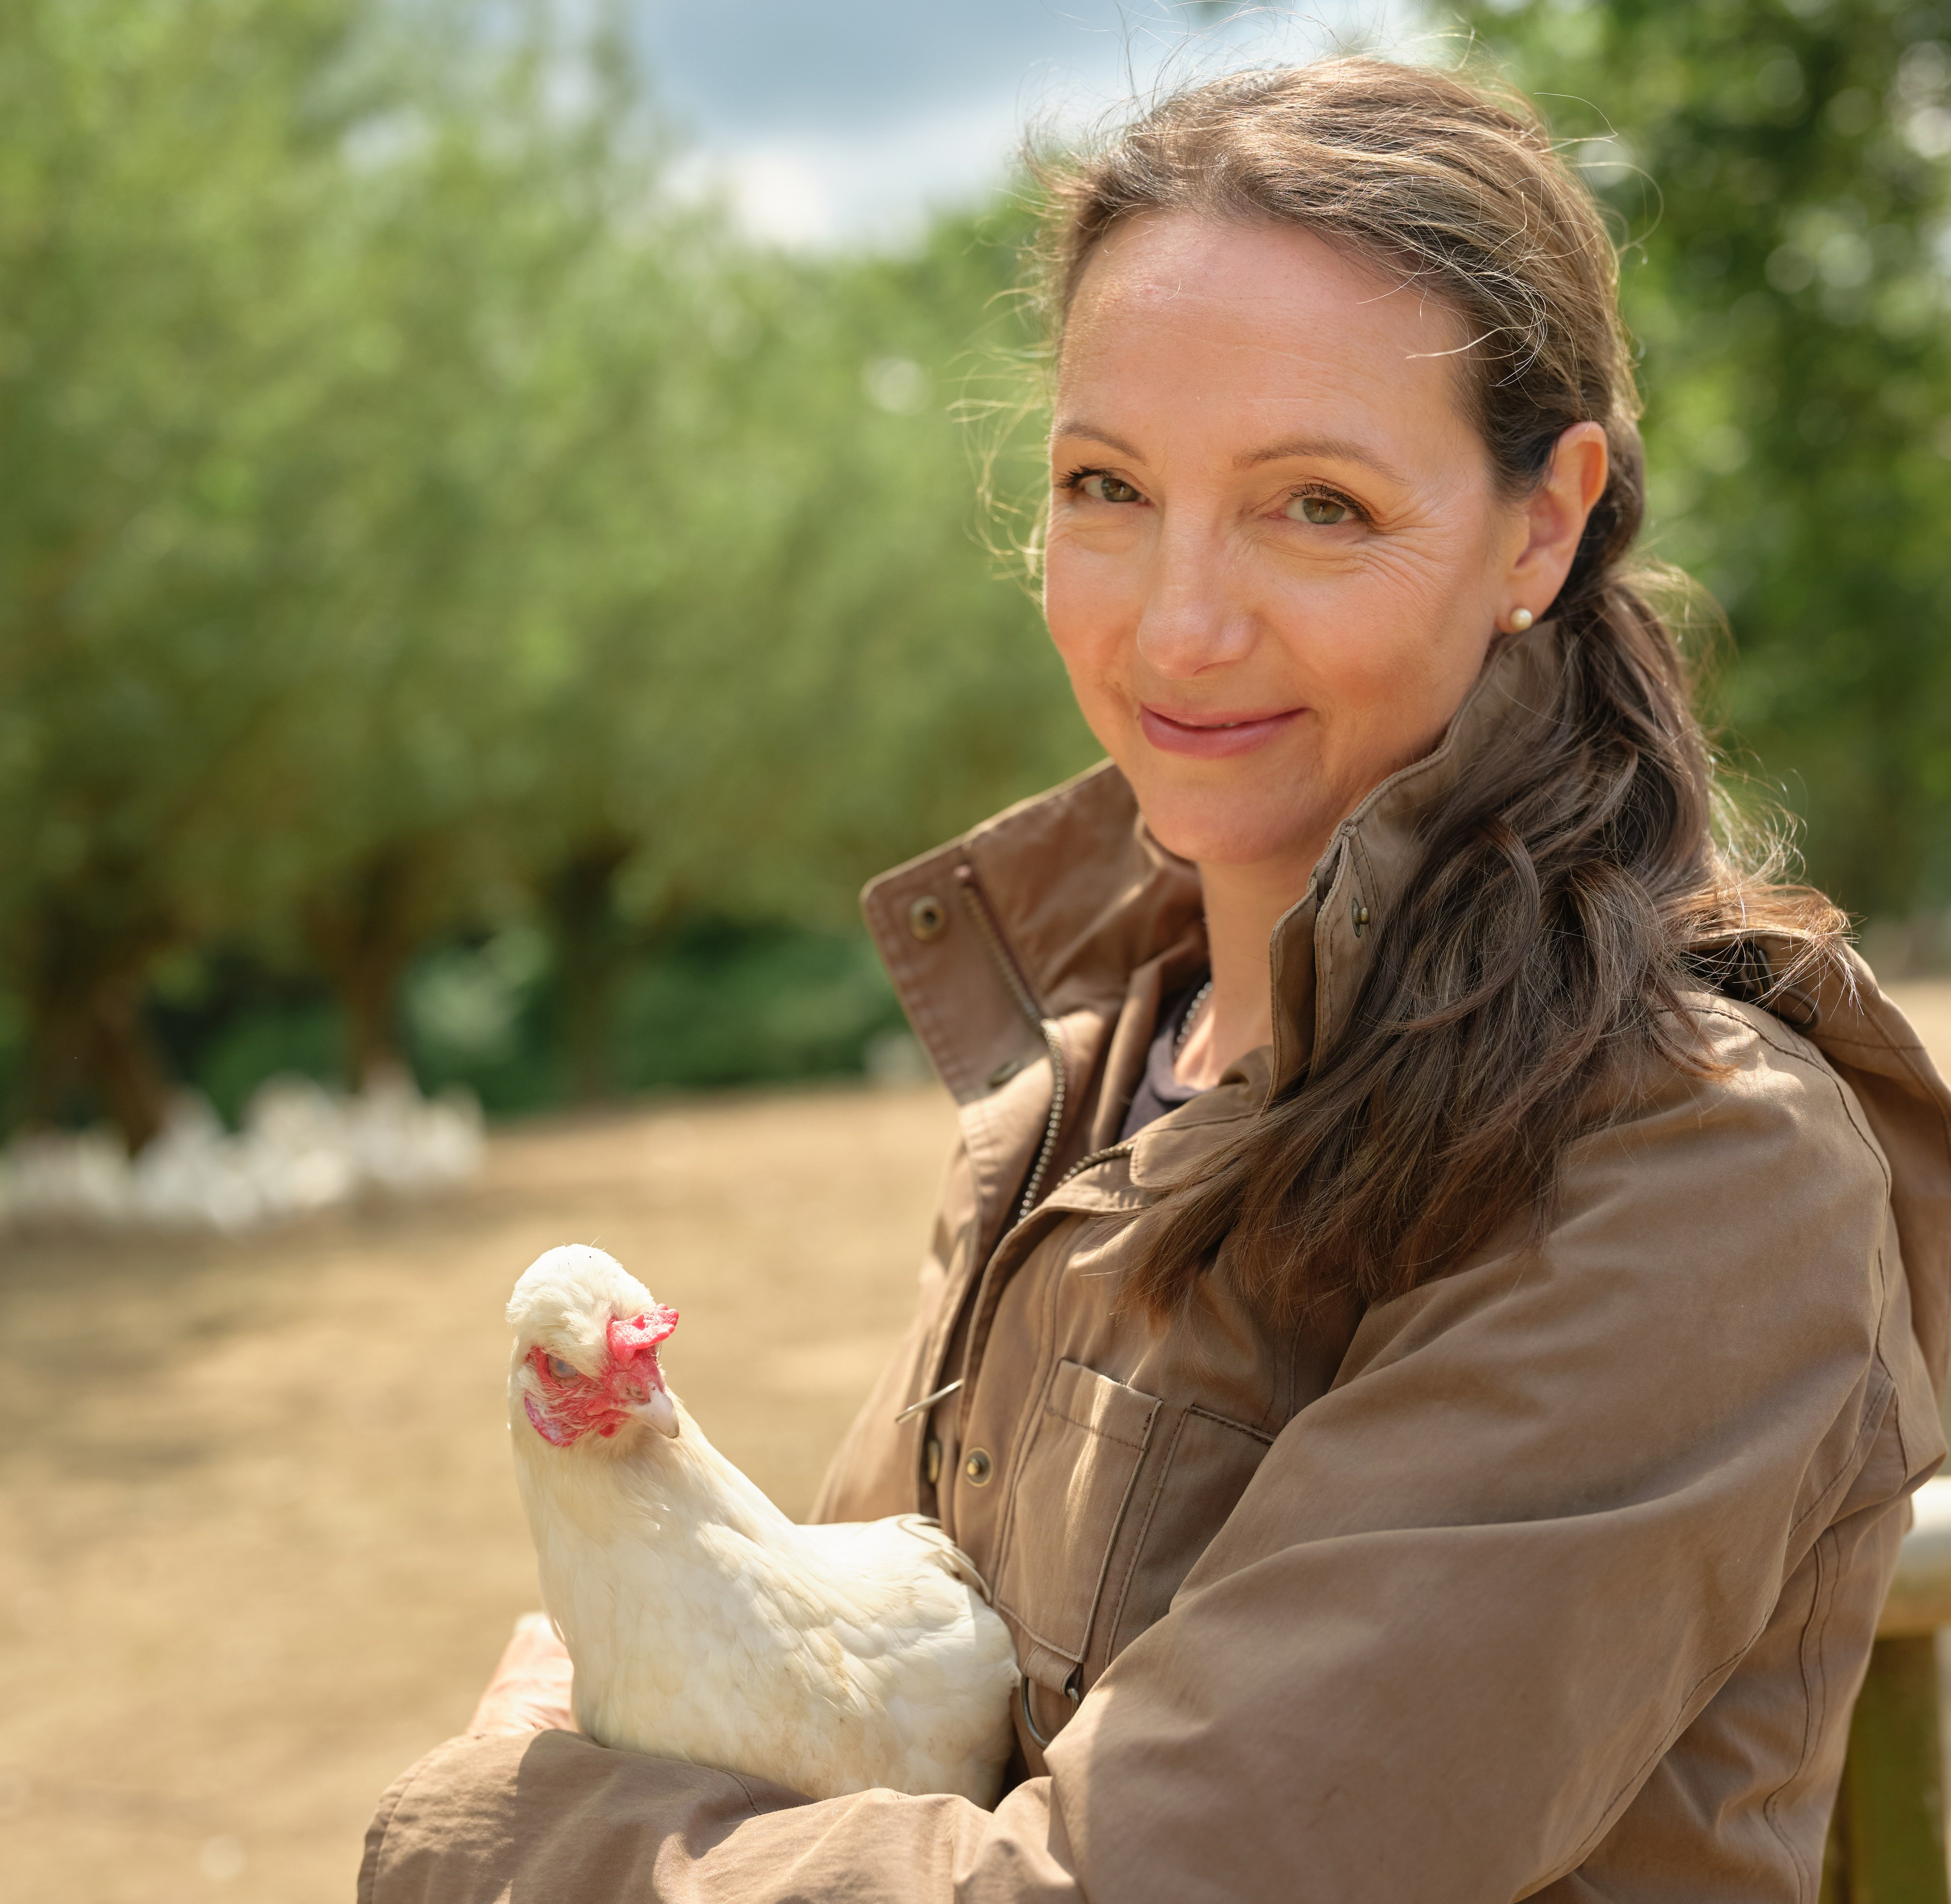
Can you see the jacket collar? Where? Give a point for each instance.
(1080, 895)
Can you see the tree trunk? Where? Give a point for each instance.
(123, 1062)
(592, 945)
(90, 1050)
(364, 933)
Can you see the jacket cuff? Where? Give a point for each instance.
(472, 1818)
(552, 1814)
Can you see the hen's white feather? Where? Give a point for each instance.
(705, 1625)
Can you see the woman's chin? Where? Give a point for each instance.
(1247, 842)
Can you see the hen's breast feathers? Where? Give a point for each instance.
(706, 1625)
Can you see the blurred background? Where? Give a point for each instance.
(490, 549)
(506, 518)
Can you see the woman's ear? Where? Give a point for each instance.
(1555, 515)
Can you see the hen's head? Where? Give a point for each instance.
(586, 1337)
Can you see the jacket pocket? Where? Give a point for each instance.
(1072, 1489)
(1198, 1478)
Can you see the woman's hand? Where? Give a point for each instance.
(529, 1690)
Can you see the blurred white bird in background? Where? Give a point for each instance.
(703, 1624)
(302, 1148)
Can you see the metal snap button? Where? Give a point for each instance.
(1358, 914)
(979, 1467)
(927, 916)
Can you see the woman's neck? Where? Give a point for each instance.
(1243, 906)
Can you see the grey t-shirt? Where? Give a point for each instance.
(1159, 1092)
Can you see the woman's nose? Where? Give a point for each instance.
(1192, 619)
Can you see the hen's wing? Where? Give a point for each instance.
(898, 1542)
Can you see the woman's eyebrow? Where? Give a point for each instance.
(1339, 448)
(1076, 427)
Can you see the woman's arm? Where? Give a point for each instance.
(552, 1816)
(529, 1690)
(1586, 1545)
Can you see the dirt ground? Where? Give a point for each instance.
(259, 1540)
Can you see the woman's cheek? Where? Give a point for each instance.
(1097, 691)
(1085, 608)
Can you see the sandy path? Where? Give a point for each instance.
(261, 1543)
(258, 1540)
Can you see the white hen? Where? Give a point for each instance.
(702, 1623)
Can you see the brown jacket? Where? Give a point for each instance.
(1555, 1578)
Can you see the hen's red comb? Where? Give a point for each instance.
(639, 1334)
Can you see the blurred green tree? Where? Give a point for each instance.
(1781, 170)
(150, 350)
(416, 519)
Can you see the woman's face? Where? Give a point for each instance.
(1277, 556)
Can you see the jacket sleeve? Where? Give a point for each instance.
(1472, 1598)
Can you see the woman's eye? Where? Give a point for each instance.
(1107, 488)
(561, 1370)
(1324, 512)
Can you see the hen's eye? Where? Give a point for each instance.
(1324, 512)
(1107, 488)
(561, 1370)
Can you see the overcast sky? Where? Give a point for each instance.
(849, 121)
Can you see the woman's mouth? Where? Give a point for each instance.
(1213, 737)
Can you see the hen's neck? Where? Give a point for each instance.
(680, 1481)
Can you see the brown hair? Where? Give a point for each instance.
(1573, 887)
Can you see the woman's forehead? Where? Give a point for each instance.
(1179, 308)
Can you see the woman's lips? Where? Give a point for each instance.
(1212, 740)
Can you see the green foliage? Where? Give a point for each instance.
(420, 528)
(1783, 170)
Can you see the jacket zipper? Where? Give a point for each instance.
(1095, 1157)
(977, 901)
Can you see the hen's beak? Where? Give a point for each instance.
(659, 1411)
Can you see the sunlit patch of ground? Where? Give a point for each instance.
(259, 1541)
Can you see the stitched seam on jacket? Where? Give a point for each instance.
(1818, 1064)
(1895, 1403)
(374, 1851)
(1115, 1614)
(1227, 1421)
(1098, 1586)
(1822, 1069)
(1821, 1066)
(1876, 1403)
(1324, 955)
(377, 1833)
(1097, 1597)
(1909, 1053)
(1369, 887)
(912, 988)
(1104, 1434)
(1873, 1043)
(751, 1802)
(958, 1296)
(1097, 1589)
(1815, 1691)
(1608, 1815)
(1029, 1426)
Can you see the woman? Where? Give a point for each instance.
(1439, 1303)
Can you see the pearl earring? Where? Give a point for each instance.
(1521, 620)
